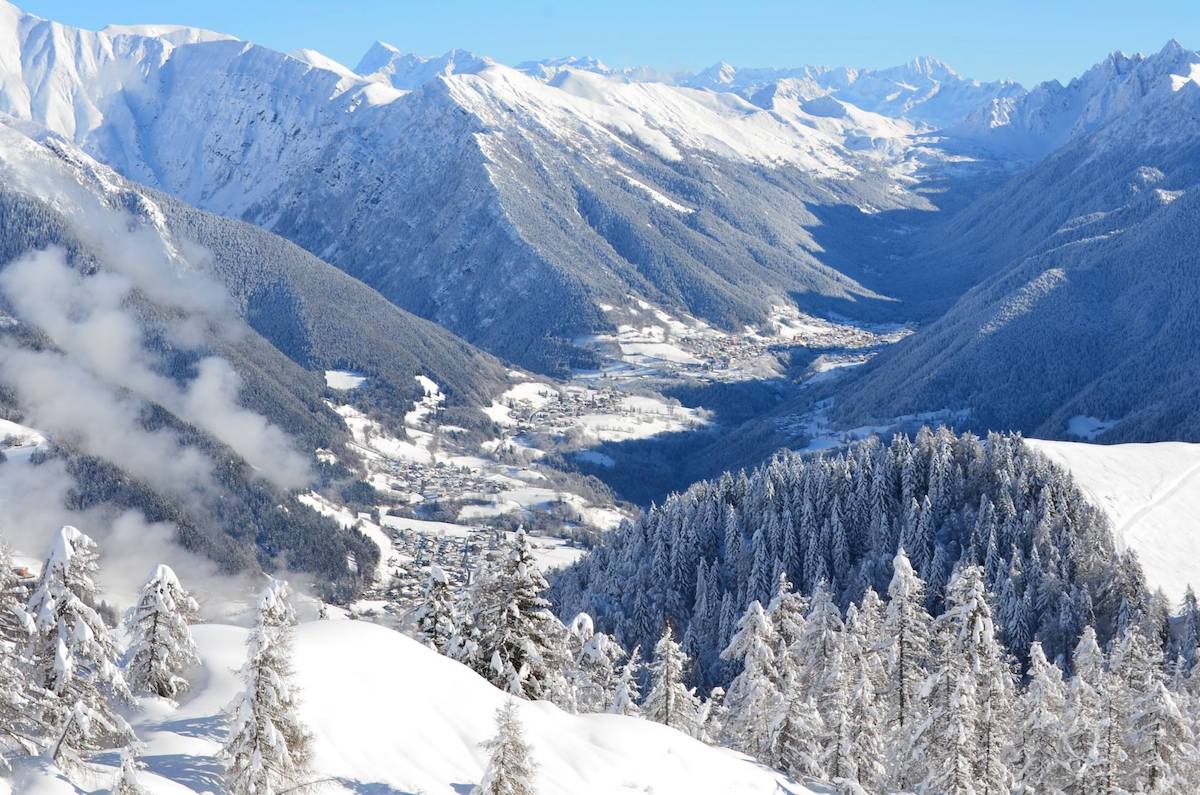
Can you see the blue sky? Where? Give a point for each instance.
(1016, 39)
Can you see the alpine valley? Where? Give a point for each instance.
(432, 424)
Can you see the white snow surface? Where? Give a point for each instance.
(1151, 493)
(344, 379)
(390, 715)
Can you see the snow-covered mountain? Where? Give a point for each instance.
(924, 90)
(589, 188)
(1134, 88)
(387, 64)
(1081, 274)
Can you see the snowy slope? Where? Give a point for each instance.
(1151, 493)
(429, 716)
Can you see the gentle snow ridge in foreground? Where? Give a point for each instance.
(392, 716)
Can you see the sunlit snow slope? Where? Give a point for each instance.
(391, 716)
(1151, 493)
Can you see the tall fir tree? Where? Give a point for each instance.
(906, 654)
(161, 645)
(1041, 764)
(753, 696)
(669, 701)
(628, 693)
(269, 747)
(435, 622)
(510, 768)
(966, 739)
(74, 653)
(522, 646)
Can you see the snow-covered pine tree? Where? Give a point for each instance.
(712, 717)
(74, 654)
(864, 708)
(268, 747)
(1164, 749)
(593, 673)
(16, 625)
(1082, 715)
(837, 741)
(434, 618)
(753, 697)
(966, 738)
(1136, 669)
(20, 699)
(1041, 763)
(126, 782)
(522, 646)
(669, 700)
(816, 653)
(786, 616)
(161, 644)
(796, 737)
(906, 637)
(510, 768)
(627, 693)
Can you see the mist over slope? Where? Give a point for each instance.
(123, 344)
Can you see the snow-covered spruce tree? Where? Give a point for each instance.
(593, 674)
(1041, 762)
(786, 613)
(434, 618)
(510, 768)
(522, 646)
(669, 700)
(21, 701)
(1160, 754)
(1164, 749)
(712, 717)
(1082, 715)
(74, 655)
(863, 707)
(817, 652)
(161, 644)
(796, 737)
(627, 693)
(837, 741)
(268, 747)
(126, 782)
(1136, 669)
(16, 625)
(753, 697)
(905, 634)
(967, 735)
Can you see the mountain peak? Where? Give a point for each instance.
(376, 57)
(1172, 48)
(930, 67)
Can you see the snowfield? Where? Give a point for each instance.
(391, 716)
(1151, 493)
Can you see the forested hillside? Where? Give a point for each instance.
(700, 558)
